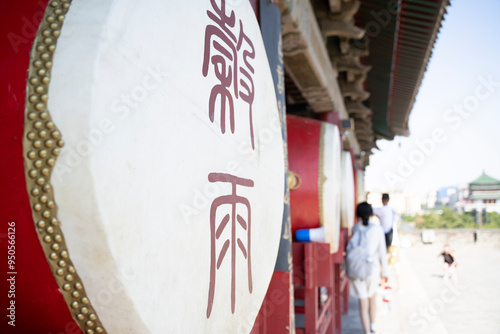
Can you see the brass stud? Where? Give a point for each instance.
(31, 115)
(46, 33)
(56, 151)
(37, 207)
(60, 143)
(37, 144)
(47, 40)
(39, 89)
(33, 173)
(58, 11)
(38, 163)
(55, 134)
(60, 272)
(40, 224)
(85, 300)
(40, 181)
(41, 72)
(51, 162)
(55, 247)
(66, 5)
(39, 106)
(75, 294)
(51, 48)
(37, 125)
(56, 33)
(45, 171)
(43, 199)
(50, 204)
(48, 64)
(78, 286)
(46, 214)
(34, 81)
(64, 254)
(47, 239)
(66, 287)
(60, 18)
(45, 55)
(89, 323)
(99, 330)
(46, 80)
(89, 331)
(44, 97)
(40, 48)
(46, 188)
(54, 4)
(84, 310)
(53, 256)
(31, 135)
(49, 143)
(50, 18)
(35, 191)
(53, 25)
(54, 221)
(42, 153)
(37, 63)
(50, 230)
(74, 305)
(58, 238)
(33, 98)
(42, 133)
(61, 264)
(32, 155)
(49, 125)
(80, 316)
(71, 269)
(92, 316)
(68, 278)
(44, 115)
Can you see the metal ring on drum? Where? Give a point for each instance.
(314, 149)
(348, 194)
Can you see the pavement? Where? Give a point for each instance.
(426, 302)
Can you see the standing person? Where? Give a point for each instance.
(387, 216)
(368, 244)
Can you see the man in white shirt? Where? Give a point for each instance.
(386, 216)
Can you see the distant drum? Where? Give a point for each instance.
(314, 149)
(348, 192)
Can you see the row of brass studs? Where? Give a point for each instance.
(42, 144)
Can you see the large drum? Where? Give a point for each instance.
(360, 186)
(314, 149)
(152, 195)
(348, 201)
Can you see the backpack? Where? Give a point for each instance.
(358, 263)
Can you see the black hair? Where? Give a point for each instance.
(364, 211)
(385, 197)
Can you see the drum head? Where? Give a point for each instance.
(170, 185)
(329, 184)
(348, 200)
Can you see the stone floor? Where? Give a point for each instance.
(427, 303)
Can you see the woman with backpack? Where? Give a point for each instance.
(366, 264)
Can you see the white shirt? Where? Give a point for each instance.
(375, 245)
(386, 216)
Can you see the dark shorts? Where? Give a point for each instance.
(388, 238)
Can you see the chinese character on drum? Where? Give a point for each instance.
(216, 230)
(231, 65)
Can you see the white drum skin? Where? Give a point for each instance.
(348, 200)
(141, 170)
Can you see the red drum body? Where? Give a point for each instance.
(145, 183)
(314, 156)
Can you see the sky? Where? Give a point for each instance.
(455, 121)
